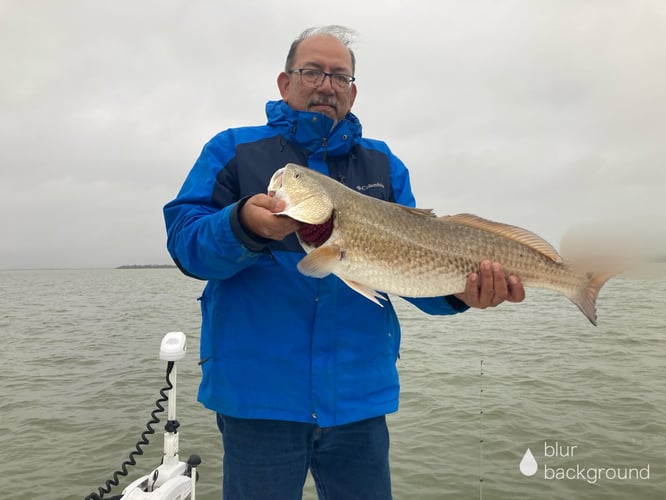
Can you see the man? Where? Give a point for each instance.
(300, 371)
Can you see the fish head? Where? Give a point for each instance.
(303, 192)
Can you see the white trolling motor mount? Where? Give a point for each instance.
(173, 479)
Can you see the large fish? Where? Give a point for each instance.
(378, 246)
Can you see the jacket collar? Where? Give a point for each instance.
(315, 132)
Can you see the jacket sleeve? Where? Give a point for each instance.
(402, 192)
(205, 238)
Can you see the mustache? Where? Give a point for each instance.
(323, 101)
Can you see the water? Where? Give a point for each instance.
(80, 375)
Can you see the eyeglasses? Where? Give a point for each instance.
(315, 78)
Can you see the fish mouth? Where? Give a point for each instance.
(275, 183)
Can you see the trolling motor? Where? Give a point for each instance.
(173, 479)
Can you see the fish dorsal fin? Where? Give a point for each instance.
(423, 212)
(515, 233)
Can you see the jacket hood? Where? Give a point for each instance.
(315, 132)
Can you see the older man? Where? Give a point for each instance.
(300, 371)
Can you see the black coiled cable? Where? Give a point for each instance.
(103, 490)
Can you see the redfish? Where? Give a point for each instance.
(377, 246)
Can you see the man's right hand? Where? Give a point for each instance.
(257, 215)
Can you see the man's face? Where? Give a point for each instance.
(324, 53)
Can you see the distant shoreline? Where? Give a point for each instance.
(146, 266)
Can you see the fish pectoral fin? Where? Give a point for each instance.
(515, 233)
(320, 262)
(364, 290)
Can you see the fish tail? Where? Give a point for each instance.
(585, 296)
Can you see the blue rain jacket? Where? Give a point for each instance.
(276, 344)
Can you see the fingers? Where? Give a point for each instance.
(267, 202)
(490, 287)
(516, 290)
(493, 289)
(258, 216)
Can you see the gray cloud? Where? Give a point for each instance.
(543, 114)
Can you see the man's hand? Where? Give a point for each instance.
(490, 287)
(258, 217)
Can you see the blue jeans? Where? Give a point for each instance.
(270, 459)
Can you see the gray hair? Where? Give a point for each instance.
(346, 35)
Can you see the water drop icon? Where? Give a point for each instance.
(528, 464)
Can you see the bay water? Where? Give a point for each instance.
(80, 375)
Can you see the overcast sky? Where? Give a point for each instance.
(545, 114)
